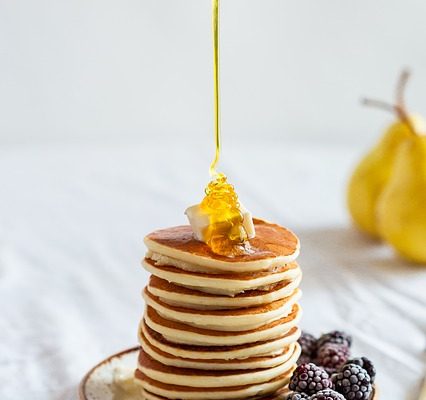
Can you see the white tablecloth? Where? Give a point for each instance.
(72, 219)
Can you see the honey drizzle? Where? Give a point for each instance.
(215, 26)
(225, 234)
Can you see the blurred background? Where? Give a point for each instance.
(136, 70)
(106, 133)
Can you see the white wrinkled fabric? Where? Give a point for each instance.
(72, 219)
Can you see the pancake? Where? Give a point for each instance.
(251, 363)
(176, 295)
(225, 320)
(179, 392)
(272, 246)
(278, 395)
(239, 352)
(226, 284)
(178, 332)
(196, 378)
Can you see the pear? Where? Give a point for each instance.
(401, 207)
(374, 171)
(371, 176)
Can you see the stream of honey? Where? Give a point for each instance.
(225, 234)
(215, 26)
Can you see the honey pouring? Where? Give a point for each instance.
(220, 220)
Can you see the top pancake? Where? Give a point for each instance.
(272, 246)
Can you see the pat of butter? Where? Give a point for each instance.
(199, 221)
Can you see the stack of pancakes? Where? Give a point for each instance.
(217, 327)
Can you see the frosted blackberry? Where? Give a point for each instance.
(353, 382)
(304, 360)
(308, 343)
(336, 337)
(327, 394)
(297, 396)
(332, 356)
(309, 379)
(365, 363)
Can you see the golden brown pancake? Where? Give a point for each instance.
(225, 284)
(163, 285)
(210, 378)
(177, 295)
(211, 393)
(235, 319)
(230, 352)
(154, 316)
(272, 244)
(242, 276)
(182, 333)
(256, 362)
(278, 395)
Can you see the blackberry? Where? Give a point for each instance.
(304, 360)
(297, 396)
(309, 379)
(308, 343)
(332, 356)
(336, 337)
(353, 382)
(327, 394)
(365, 363)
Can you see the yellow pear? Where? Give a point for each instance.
(373, 172)
(371, 176)
(401, 207)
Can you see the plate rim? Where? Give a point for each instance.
(82, 385)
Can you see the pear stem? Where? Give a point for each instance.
(399, 108)
(379, 104)
(400, 98)
(400, 87)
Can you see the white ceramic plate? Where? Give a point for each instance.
(112, 379)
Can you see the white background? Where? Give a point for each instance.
(138, 69)
(106, 134)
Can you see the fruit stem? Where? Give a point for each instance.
(379, 104)
(399, 108)
(400, 87)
